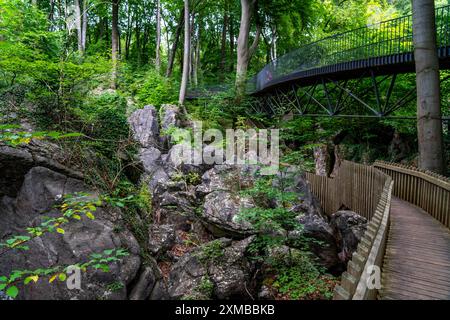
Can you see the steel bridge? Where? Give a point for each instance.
(351, 74)
(324, 78)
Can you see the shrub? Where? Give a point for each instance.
(154, 89)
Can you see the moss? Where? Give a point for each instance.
(211, 251)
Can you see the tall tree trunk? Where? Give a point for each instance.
(244, 53)
(192, 49)
(197, 54)
(114, 42)
(429, 124)
(128, 33)
(223, 54)
(231, 32)
(51, 14)
(78, 25)
(84, 24)
(158, 36)
(175, 45)
(187, 45)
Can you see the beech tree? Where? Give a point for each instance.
(186, 55)
(244, 51)
(429, 124)
(114, 42)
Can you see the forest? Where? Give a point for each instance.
(96, 96)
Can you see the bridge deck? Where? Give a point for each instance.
(417, 260)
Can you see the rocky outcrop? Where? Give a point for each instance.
(349, 228)
(218, 269)
(220, 214)
(145, 127)
(35, 200)
(149, 284)
(161, 238)
(16, 162)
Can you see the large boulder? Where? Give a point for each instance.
(16, 162)
(349, 228)
(228, 177)
(40, 190)
(145, 126)
(221, 214)
(149, 284)
(161, 238)
(314, 226)
(169, 119)
(218, 269)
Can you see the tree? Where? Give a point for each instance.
(186, 55)
(158, 36)
(244, 52)
(78, 25)
(84, 25)
(114, 42)
(429, 124)
(175, 44)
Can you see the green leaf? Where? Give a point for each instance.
(12, 292)
(34, 278)
(59, 230)
(62, 277)
(90, 215)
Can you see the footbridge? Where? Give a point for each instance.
(350, 74)
(358, 68)
(407, 240)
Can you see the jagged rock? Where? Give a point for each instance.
(144, 286)
(159, 291)
(221, 273)
(265, 293)
(36, 199)
(232, 273)
(145, 127)
(148, 285)
(169, 116)
(169, 119)
(349, 228)
(161, 238)
(151, 159)
(227, 177)
(16, 162)
(313, 222)
(220, 214)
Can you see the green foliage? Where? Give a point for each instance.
(272, 213)
(211, 251)
(10, 135)
(98, 261)
(203, 291)
(301, 278)
(154, 89)
(72, 208)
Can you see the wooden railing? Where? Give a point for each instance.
(355, 186)
(425, 189)
(367, 191)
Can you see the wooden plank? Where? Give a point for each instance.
(417, 260)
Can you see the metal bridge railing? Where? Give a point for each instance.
(381, 39)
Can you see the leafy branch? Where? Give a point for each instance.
(98, 261)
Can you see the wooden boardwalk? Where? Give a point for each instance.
(417, 260)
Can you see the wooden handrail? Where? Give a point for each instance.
(366, 190)
(425, 189)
